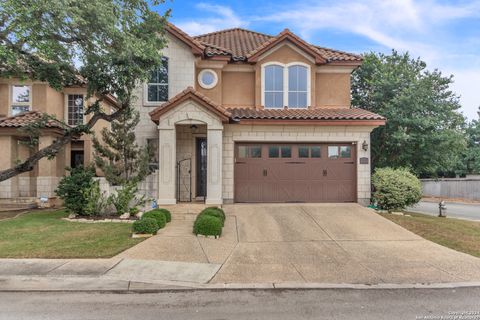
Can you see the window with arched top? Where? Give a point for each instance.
(274, 86)
(285, 85)
(297, 86)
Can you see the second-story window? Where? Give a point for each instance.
(297, 86)
(286, 85)
(273, 86)
(75, 109)
(157, 87)
(21, 99)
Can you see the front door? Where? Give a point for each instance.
(201, 167)
(76, 158)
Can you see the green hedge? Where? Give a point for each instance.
(395, 189)
(167, 214)
(159, 217)
(215, 212)
(207, 225)
(145, 226)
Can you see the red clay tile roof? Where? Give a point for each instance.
(303, 114)
(189, 93)
(241, 44)
(23, 119)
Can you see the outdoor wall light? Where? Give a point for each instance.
(194, 127)
(365, 145)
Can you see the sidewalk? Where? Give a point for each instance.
(129, 275)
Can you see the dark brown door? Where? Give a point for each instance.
(282, 172)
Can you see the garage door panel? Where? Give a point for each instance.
(295, 178)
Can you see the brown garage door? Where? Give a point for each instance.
(279, 172)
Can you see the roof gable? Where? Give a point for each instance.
(190, 94)
(286, 35)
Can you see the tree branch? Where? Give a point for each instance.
(54, 148)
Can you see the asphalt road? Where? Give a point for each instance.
(259, 304)
(454, 210)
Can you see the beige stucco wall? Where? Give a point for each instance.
(332, 90)
(181, 67)
(240, 85)
(290, 133)
(45, 176)
(238, 89)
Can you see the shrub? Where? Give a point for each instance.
(125, 198)
(158, 216)
(95, 200)
(133, 211)
(395, 189)
(214, 212)
(207, 225)
(145, 226)
(168, 215)
(73, 189)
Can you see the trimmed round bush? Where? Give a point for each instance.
(167, 214)
(214, 212)
(207, 225)
(395, 189)
(158, 216)
(145, 226)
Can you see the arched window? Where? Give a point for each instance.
(297, 86)
(157, 87)
(285, 85)
(273, 86)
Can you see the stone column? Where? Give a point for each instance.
(47, 179)
(167, 166)
(214, 166)
(8, 145)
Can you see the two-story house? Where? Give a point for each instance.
(241, 116)
(23, 102)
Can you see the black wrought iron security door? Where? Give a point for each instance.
(201, 166)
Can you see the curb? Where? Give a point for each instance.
(86, 284)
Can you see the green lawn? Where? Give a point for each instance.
(45, 235)
(460, 235)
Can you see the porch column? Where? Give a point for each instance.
(47, 179)
(214, 166)
(167, 163)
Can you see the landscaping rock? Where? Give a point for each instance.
(140, 214)
(126, 215)
(72, 216)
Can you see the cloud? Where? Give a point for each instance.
(222, 17)
(424, 28)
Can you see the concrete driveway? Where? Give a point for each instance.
(326, 243)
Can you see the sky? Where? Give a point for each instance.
(445, 34)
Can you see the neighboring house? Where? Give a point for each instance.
(23, 102)
(241, 116)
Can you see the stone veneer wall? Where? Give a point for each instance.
(181, 74)
(275, 133)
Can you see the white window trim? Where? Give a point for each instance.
(285, 81)
(65, 107)
(207, 86)
(12, 103)
(146, 102)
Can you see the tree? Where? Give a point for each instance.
(115, 43)
(471, 159)
(424, 130)
(119, 157)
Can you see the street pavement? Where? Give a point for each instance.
(469, 211)
(459, 303)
